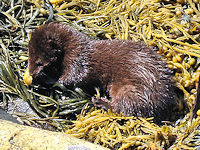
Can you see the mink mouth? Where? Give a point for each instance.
(48, 76)
(43, 79)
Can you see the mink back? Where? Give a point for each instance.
(133, 76)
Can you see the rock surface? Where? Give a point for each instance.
(14, 136)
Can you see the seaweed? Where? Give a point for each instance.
(171, 26)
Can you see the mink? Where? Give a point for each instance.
(131, 74)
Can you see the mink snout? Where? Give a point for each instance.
(130, 73)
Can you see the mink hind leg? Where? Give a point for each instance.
(131, 100)
(138, 100)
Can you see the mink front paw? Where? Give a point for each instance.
(101, 102)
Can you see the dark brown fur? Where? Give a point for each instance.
(134, 76)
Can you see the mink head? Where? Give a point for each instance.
(46, 54)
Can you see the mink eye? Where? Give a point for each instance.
(40, 63)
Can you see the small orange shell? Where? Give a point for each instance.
(55, 1)
(198, 112)
(27, 78)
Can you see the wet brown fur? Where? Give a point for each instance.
(134, 76)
